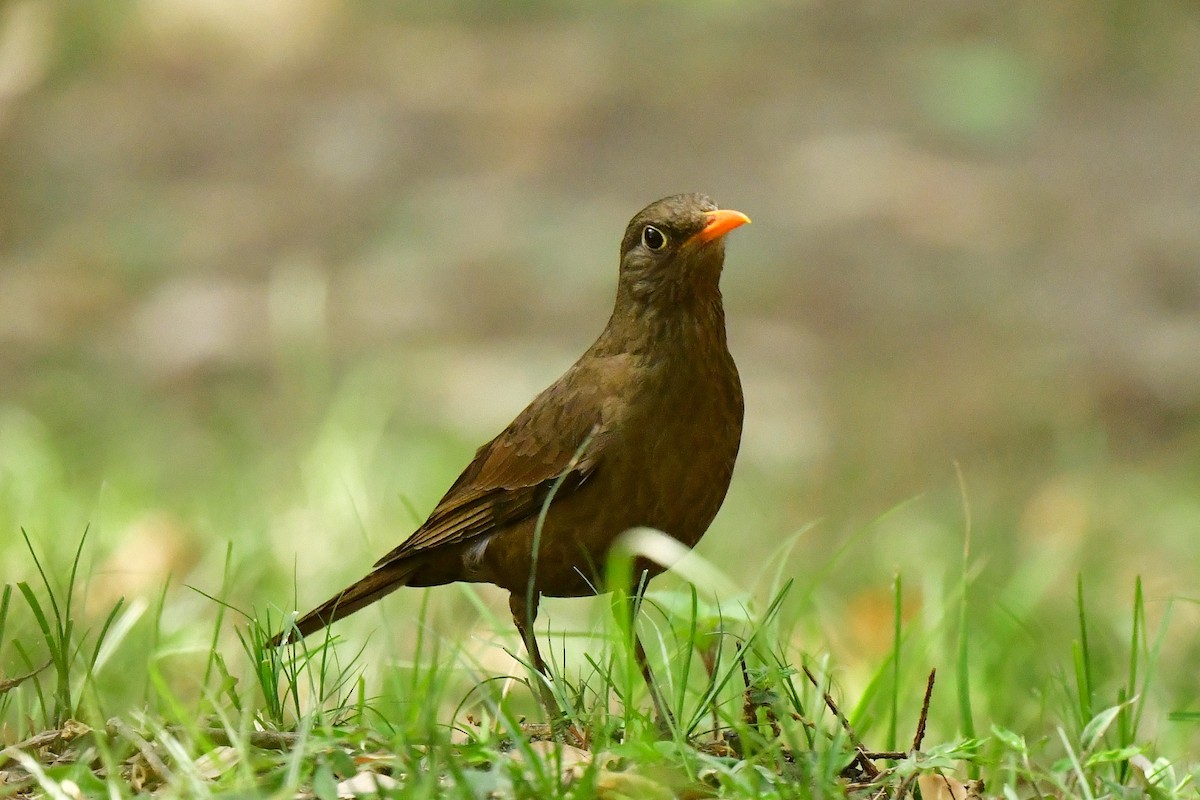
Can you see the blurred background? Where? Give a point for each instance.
(270, 270)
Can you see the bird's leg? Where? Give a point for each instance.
(523, 615)
(664, 719)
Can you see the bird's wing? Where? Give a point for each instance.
(560, 434)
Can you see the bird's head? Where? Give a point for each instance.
(674, 248)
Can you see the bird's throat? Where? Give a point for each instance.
(667, 331)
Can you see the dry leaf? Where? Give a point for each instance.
(366, 783)
(940, 787)
(216, 763)
(71, 789)
(73, 729)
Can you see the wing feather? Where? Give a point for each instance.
(560, 434)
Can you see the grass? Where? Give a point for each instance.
(166, 687)
(757, 716)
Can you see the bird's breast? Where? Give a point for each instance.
(665, 445)
(680, 446)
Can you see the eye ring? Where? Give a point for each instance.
(653, 238)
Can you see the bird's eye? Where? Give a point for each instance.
(653, 238)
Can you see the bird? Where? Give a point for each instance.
(642, 431)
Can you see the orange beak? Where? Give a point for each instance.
(720, 222)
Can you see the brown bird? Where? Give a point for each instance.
(642, 430)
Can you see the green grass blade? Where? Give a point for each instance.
(1083, 657)
(756, 633)
(58, 617)
(894, 711)
(966, 717)
(226, 578)
(5, 601)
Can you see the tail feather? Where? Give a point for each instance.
(356, 596)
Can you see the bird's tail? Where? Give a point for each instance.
(358, 595)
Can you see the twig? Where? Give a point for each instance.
(748, 714)
(263, 740)
(906, 784)
(118, 727)
(886, 755)
(861, 756)
(812, 726)
(924, 711)
(71, 730)
(12, 683)
(36, 742)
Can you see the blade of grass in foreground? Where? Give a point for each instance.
(5, 599)
(57, 637)
(222, 594)
(1082, 655)
(1127, 722)
(893, 717)
(966, 718)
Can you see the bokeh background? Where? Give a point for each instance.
(270, 270)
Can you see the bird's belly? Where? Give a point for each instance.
(684, 466)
